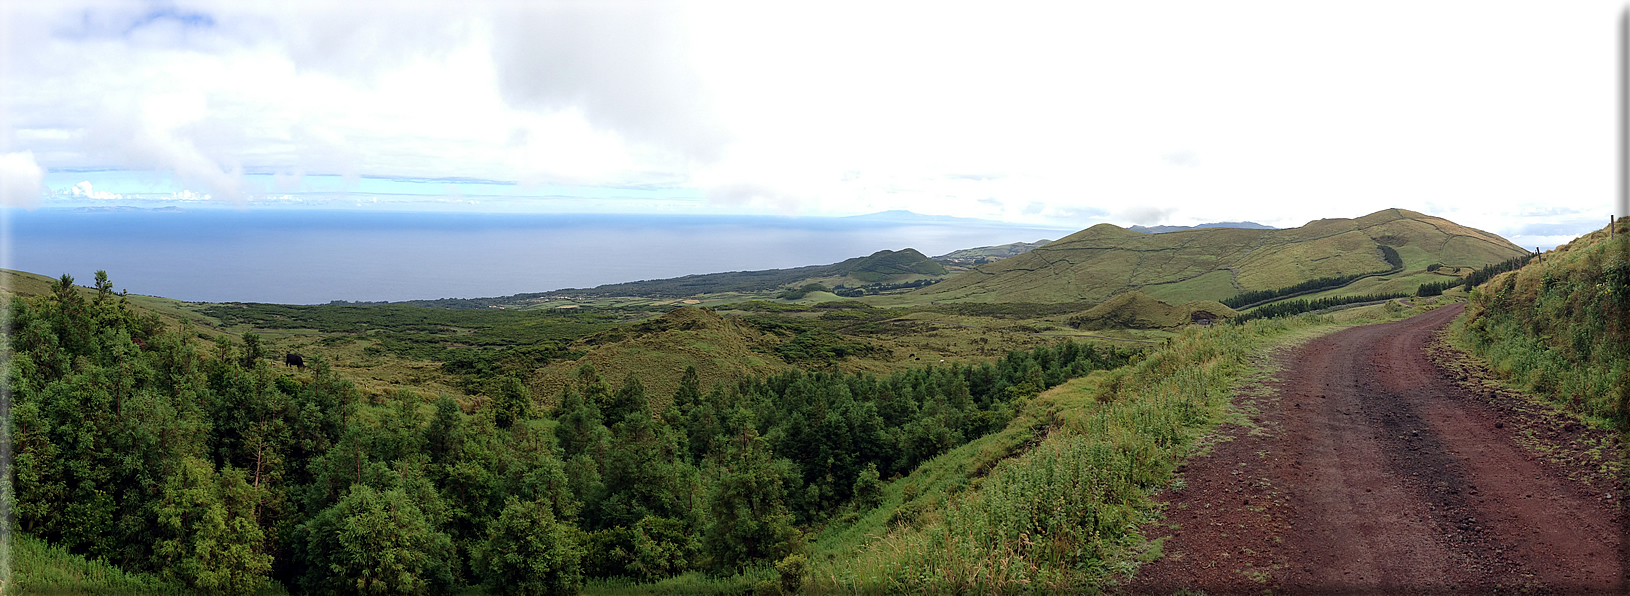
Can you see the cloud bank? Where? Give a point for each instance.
(1173, 112)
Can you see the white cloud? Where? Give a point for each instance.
(21, 180)
(83, 190)
(1275, 112)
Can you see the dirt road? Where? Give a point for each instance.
(1384, 464)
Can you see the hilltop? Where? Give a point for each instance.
(884, 266)
(1216, 263)
(658, 351)
(1248, 225)
(987, 254)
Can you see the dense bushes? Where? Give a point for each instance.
(800, 292)
(879, 288)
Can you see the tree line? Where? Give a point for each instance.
(200, 460)
(1248, 299)
(1489, 271)
(1292, 307)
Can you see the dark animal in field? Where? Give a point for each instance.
(295, 360)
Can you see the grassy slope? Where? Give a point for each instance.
(990, 253)
(1136, 310)
(721, 349)
(723, 346)
(1560, 326)
(884, 266)
(40, 568)
(1104, 260)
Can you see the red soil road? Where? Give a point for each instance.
(1382, 463)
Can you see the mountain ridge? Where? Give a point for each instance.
(1215, 263)
(1244, 225)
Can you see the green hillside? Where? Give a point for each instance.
(1560, 326)
(659, 350)
(1136, 310)
(1216, 263)
(881, 267)
(987, 254)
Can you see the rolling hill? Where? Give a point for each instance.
(884, 266)
(1215, 263)
(721, 349)
(986, 254)
(1249, 225)
(1136, 310)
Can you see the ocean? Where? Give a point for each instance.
(313, 257)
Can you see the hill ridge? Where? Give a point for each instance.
(1215, 263)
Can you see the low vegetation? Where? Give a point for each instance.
(425, 333)
(1560, 326)
(1135, 310)
(40, 568)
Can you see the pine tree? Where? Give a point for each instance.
(747, 511)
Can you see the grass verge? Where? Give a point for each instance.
(1559, 327)
(40, 568)
(1064, 515)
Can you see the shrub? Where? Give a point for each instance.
(528, 552)
(370, 542)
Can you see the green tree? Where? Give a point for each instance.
(209, 536)
(868, 492)
(512, 402)
(529, 552)
(445, 433)
(253, 351)
(687, 396)
(645, 473)
(629, 400)
(373, 542)
(746, 504)
(662, 548)
(104, 288)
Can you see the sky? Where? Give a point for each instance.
(1497, 115)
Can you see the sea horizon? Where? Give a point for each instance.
(319, 256)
